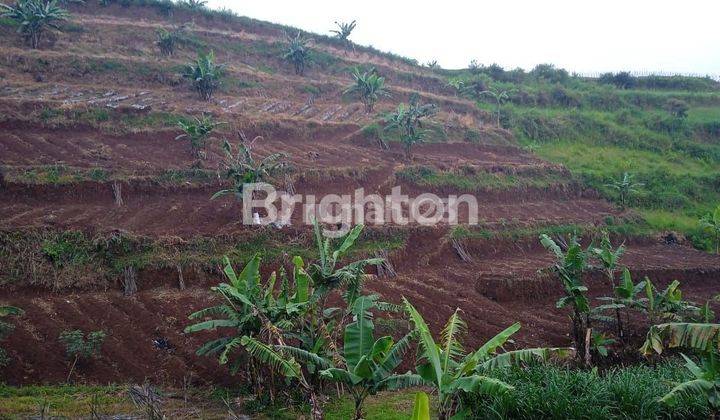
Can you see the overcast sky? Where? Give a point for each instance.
(579, 35)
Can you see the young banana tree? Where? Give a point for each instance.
(205, 75)
(668, 305)
(609, 258)
(253, 312)
(499, 96)
(326, 273)
(711, 225)
(298, 52)
(343, 31)
(243, 168)
(197, 132)
(703, 338)
(367, 364)
(569, 267)
(408, 119)
(369, 86)
(451, 371)
(34, 17)
(626, 188)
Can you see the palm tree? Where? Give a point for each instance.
(369, 86)
(710, 223)
(451, 371)
(34, 17)
(298, 52)
(243, 168)
(205, 75)
(408, 118)
(625, 188)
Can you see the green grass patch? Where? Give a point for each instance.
(550, 392)
(470, 178)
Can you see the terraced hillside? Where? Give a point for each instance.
(95, 186)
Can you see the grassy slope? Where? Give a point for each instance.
(600, 131)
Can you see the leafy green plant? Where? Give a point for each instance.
(668, 305)
(569, 267)
(328, 275)
(499, 96)
(710, 224)
(609, 257)
(197, 131)
(369, 86)
(703, 338)
(600, 342)
(298, 52)
(408, 119)
(367, 364)
(256, 314)
(452, 372)
(167, 40)
(80, 347)
(343, 31)
(626, 188)
(242, 167)
(205, 75)
(6, 328)
(34, 17)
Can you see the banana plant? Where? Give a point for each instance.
(626, 188)
(326, 273)
(668, 305)
(609, 258)
(251, 308)
(627, 296)
(367, 364)
(243, 168)
(369, 86)
(421, 407)
(703, 338)
(197, 132)
(451, 371)
(205, 75)
(34, 17)
(343, 31)
(710, 224)
(408, 119)
(298, 52)
(569, 267)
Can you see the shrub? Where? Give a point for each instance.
(677, 108)
(34, 17)
(549, 73)
(205, 75)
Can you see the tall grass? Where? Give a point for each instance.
(549, 392)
